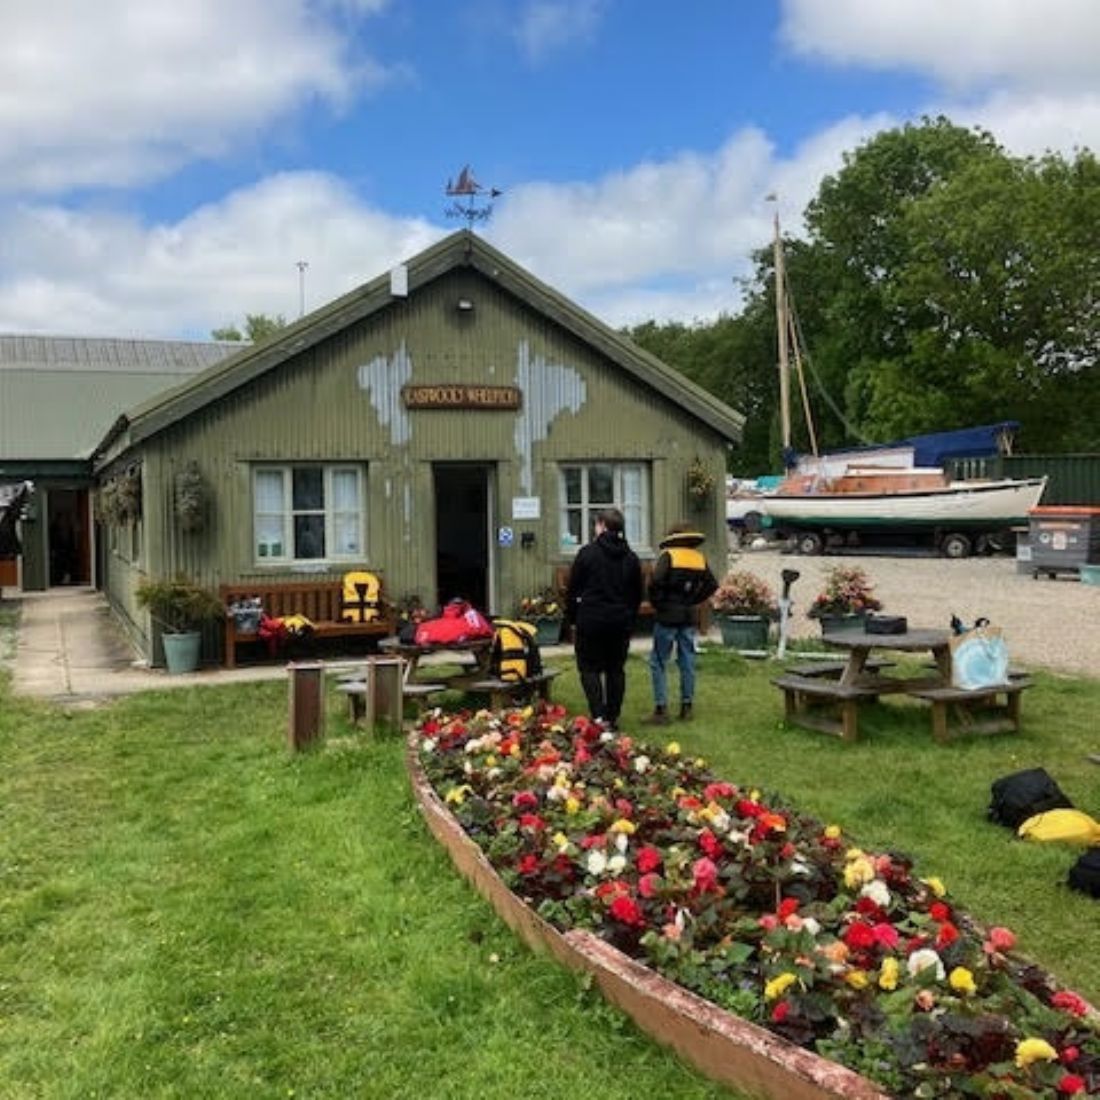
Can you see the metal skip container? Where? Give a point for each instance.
(1062, 538)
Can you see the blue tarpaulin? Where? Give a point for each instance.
(981, 442)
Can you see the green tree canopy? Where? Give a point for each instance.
(257, 328)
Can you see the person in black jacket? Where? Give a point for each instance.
(602, 600)
(681, 580)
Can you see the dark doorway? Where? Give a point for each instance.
(462, 533)
(69, 535)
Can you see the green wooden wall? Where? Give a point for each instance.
(317, 407)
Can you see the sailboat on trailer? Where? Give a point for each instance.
(898, 489)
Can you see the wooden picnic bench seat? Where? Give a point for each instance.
(319, 601)
(356, 691)
(986, 710)
(835, 669)
(645, 611)
(502, 693)
(823, 704)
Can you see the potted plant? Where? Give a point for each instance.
(846, 600)
(700, 484)
(180, 608)
(546, 612)
(745, 606)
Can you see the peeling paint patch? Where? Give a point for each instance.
(549, 389)
(383, 379)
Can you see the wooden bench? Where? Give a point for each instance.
(809, 699)
(356, 691)
(561, 584)
(833, 670)
(319, 601)
(977, 710)
(503, 693)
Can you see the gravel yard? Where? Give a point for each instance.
(1054, 624)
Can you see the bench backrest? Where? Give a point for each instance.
(319, 601)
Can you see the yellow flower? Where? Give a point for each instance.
(778, 986)
(754, 795)
(1034, 1050)
(514, 751)
(572, 805)
(527, 712)
(457, 795)
(857, 979)
(888, 976)
(858, 872)
(854, 853)
(832, 832)
(673, 748)
(935, 885)
(700, 762)
(677, 792)
(618, 784)
(561, 840)
(490, 761)
(623, 826)
(962, 981)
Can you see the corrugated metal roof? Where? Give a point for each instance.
(59, 395)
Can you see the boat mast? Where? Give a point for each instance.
(782, 328)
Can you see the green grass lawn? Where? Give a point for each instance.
(186, 910)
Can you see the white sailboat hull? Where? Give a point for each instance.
(960, 504)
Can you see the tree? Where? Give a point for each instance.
(257, 328)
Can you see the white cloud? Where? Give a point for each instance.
(106, 274)
(116, 92)
(546, 26)
(962, 43)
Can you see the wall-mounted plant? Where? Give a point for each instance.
(700, 483)
(129, 494)
(192, 495)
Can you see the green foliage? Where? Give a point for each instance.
(258, 327)
(179, 605)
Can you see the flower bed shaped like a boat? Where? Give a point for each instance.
(748, 936)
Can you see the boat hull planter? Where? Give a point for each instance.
(744, 631)
(725, 1047)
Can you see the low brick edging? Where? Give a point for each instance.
(725, 1047)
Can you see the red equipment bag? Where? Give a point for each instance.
(458, 623)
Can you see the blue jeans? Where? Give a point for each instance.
(663, 638)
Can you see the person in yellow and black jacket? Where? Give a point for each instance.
(681, 580)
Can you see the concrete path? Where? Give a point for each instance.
(70, 649)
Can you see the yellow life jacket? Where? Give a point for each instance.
(515, 653)
(360, 601)
(1071, 826)
(296, 624)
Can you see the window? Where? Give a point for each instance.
(586, 489)
(307, 513)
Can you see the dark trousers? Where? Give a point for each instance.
(601, 658)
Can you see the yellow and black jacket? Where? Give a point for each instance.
(681, 579)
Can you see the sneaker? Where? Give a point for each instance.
(685, 712)
(659, 717)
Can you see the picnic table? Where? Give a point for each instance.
(472, 656)
(830, 699)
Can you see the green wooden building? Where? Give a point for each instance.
(454, 425)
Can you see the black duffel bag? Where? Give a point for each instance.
(1084, 875)
(1024, 794)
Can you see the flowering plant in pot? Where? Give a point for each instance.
(745, 606)
(764, 911)
(546, 610)
(847, 598)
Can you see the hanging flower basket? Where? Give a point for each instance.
(191, 498)
(700, 484)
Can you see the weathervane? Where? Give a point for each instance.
(472, 201)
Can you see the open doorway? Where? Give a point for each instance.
(462, 532)
(69, 535)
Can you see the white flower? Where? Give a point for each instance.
(607, 737)
(810, 925)
(622, 842)
(800, 867)
(720, 821)
(739, 836)
(641, 764)
(597, 862)
(467, 767)
(428, 746)
(557, 794)
(493, 773)
(878, 892)
(617, 864)
(922, 960)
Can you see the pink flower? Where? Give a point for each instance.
(525, 800)
(531, 821)
(649, 859)
(647, 885)
(768, 922)
(1000, 939)
(1069, 1055)
(705, 874)
(710, 844)
(886, 935)
(713, 791)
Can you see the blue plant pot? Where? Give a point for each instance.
(744, 631)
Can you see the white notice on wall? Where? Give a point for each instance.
(526, 507)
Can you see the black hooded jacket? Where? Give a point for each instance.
(605, 585)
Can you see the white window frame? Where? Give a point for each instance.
(638, 535)
(287, 513)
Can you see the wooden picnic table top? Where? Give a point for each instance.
(910, 642)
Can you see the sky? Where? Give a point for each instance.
(166, 165)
